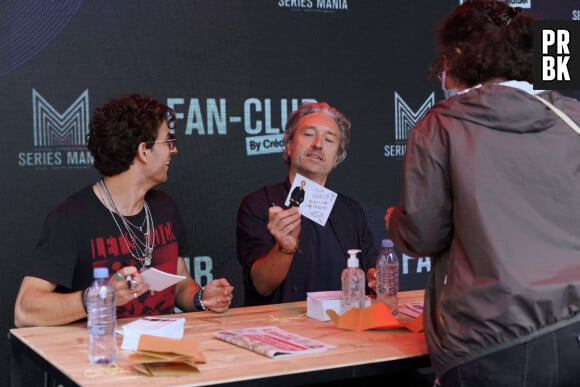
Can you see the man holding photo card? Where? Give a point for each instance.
(285, 250)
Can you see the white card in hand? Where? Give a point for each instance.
(159, 280)
(313, 200)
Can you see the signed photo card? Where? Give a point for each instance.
(313, 200)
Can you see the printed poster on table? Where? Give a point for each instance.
(273, 342)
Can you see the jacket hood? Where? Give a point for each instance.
(487, 106)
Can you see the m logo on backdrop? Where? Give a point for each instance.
(556, 55)
(405, 119)
(59, 139)
(54, 128)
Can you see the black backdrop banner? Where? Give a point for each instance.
(233, 70)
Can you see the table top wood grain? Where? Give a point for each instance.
(66, 348)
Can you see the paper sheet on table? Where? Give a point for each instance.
(154, 326)
(377, 316)
(184, 347)
(412, 309)
(318, 302)
(159, 280)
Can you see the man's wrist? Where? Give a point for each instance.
(197, 300)
(290, 251)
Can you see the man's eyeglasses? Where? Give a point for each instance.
(171, 141)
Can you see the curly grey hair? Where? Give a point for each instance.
(318, 107)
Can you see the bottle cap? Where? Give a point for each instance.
(352, 259)
(387, 243)
(100, 272)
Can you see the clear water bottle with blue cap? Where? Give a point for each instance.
(101, 318)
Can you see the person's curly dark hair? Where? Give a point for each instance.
(117, 128)
(485, 39)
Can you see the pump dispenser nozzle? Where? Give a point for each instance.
(352, 259)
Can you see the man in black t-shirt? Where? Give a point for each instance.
(284, 255)
(121, 223)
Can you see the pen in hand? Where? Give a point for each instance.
(131, 282)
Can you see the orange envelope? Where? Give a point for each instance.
(377, 316)
(162, 356)
(149, 343)
(156, 364)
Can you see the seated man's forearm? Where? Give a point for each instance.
(270, 271)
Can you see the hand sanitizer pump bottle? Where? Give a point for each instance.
(353, 283)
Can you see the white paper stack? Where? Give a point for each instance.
(156, 326)
(318, 302)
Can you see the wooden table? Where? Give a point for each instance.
(62, 351)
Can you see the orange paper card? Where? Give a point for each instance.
(161, 356)
(149, 343)
(377, 316)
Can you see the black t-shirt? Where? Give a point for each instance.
(322, 254)
(80, 234)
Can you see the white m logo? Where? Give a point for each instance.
(405, 118)
(53, 128)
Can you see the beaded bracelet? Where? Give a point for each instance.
(287, 251)
(197, 300)
(84, 299)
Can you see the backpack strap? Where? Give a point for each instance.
(560, 113)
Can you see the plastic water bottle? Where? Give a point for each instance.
(102, 318)
(353, 283)
(388, 276)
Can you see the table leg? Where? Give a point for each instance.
(15, 364)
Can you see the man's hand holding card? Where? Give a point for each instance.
(284, 225)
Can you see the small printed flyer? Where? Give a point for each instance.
(273, 342)
(313, 200)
